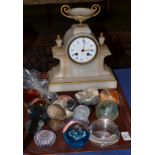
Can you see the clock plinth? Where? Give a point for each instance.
(70, 76)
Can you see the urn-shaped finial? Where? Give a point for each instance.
(58, 41)
(101, 39)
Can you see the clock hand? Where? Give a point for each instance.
(83, 44)
(88, 50)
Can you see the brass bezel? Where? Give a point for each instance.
(83, 36)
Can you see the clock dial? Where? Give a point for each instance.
(82, 49)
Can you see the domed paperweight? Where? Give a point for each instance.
(81, 113)
(44, 138)
(76, 134)
(55, 111)
(88, 97)
(107, 109)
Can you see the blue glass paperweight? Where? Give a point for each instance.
(76, 137)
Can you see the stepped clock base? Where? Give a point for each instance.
(76, 84)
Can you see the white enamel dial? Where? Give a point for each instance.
(82, 49)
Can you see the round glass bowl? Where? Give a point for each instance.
(107, 109)
(104, 132)
(44, 138)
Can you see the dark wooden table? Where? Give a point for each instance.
(60, 146)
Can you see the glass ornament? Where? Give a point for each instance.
(44, 138)
(104, 132)
(76, 134)
(88, 96)
(81, 112)
(107, 109)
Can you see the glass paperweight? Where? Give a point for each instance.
(44, 138)
(38, 101)
(107, 109)
(110, 95)
(37, 112)
(50, 97)
(55, 111)
(35, 126)
(81, 112)
(104, 132)
(67, 103)
(76, 134)
(88, 96)
(56, 124)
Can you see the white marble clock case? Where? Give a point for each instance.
(71, 76)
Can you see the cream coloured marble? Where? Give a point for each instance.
(71, 76)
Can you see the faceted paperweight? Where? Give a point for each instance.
(107, 109)
(44, 138)
(104, 132)
(76, 135)
(81, 113)
(88, 96)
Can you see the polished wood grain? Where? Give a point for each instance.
(60, 146)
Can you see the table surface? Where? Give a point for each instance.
(124, 78)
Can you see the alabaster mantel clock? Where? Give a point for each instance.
(81, 55)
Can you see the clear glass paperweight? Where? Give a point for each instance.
(55, 111)
(107, 109)
(104, 132)
(81, 113)
(88, 96)
(67, 103)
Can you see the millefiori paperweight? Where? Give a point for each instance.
(44, 138)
